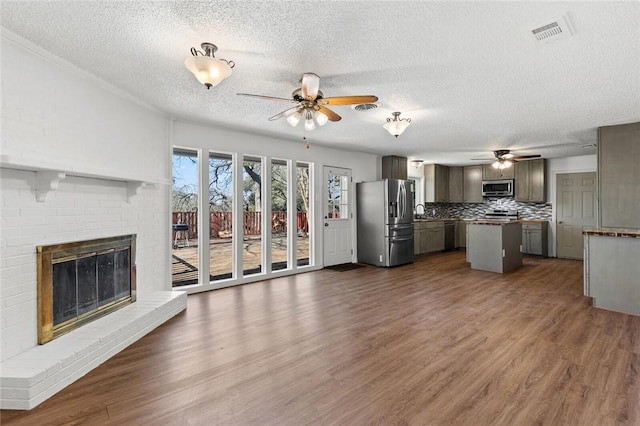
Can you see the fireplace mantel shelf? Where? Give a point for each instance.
(49, 175)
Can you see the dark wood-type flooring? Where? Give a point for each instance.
(432, 343)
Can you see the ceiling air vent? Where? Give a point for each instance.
(553, 30)
(364, 107)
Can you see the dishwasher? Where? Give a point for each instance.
(449, 235)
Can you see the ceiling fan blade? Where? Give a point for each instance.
(348, 100)
(483, 159)
(269, 98)
(522, 157)
(310, 86)
(284, 113)
(330, 114)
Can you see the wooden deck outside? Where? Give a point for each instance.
(184, 266)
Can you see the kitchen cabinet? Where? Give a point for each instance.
(530, 181)
(619, 176)
(419, 238)
(461, 233)
(472, 184)
(435, 236)
(436, 183)
(491, 173)
(456, 184)
(535, 238)
(394, 167)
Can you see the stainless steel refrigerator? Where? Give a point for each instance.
(385, 222)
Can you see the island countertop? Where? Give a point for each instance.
(613, 232)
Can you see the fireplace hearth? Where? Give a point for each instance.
(82, 281)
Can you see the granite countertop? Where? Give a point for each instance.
(613, 232)
(533, 220)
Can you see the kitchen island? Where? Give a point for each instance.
(612, 269)
(494, 245)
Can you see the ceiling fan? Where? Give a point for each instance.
(504, 159)
(311, 104)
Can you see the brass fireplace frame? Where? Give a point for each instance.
(47, 256)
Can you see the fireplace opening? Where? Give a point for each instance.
(82, 281)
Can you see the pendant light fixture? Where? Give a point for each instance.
(208, 69)
(396, 125)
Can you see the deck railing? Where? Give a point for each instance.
(221, 223)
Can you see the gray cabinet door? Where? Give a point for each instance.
(472, 184)
(530, 181)
(436, 183)
(619, 175)
(394, 167)
(537, 191)
(456, 182)
(521, 181)
(534, 242)
(442, 184)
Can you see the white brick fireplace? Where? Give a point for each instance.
(79, 161)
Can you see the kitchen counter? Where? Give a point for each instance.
(613, 232)
(496, 247)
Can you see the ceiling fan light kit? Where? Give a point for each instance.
(502, 164)
(208, 69)
(311, 104)
(396, 125)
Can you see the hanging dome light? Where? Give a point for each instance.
(396, 125)
(209, 70)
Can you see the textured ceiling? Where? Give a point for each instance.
(469, 74)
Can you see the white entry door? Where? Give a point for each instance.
(337, 216)
(576, 206)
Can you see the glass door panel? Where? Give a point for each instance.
(279, 191)
(303, 188)
(220, 216)
(184, 211)
(252, 216)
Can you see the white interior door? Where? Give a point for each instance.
(576, 209)
(337, 216)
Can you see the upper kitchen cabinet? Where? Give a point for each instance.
(491, 173)
(472, 184)
(436, 183)
(456, 185)
(619, 175)
(530, 181)
(394, 167)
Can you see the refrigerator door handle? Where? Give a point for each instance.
(403, 200)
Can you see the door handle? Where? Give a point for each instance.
(560, 222)
(326, 224)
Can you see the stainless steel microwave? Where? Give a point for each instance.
(497, 188)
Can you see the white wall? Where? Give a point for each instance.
(555, 166)
(54, 115)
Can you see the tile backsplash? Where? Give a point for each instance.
(541, 211)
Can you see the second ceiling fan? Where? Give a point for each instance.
(504, 159)
(311, 105)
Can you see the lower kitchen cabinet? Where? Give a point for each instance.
(419, 238)
(428, 237)
(435, 236)
(534, 238)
